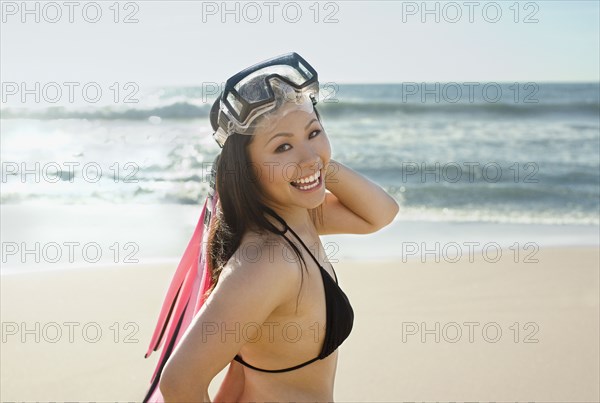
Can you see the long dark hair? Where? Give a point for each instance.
(240, 207)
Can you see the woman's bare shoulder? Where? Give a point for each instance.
(264, 255)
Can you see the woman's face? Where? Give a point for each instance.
(292, 147)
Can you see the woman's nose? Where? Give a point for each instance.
(309, 159)
(310, 162)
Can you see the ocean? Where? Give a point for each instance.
(521, 153)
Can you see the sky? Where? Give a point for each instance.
(190, 43)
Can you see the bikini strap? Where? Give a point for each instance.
(303, 244)
(239, 359)
(287, 227)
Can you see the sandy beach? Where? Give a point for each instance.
(506, 330)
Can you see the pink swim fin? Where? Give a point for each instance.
(184, 296)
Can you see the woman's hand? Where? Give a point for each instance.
(233, 384)
(355, 205)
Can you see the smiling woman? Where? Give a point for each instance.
(274, 177)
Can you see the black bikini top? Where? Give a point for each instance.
(339, 321)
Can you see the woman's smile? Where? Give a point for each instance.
(310, 183)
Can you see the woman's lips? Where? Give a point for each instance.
(308, 187)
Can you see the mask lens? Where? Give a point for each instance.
(305, 71)
(253, 88)
(235, 104)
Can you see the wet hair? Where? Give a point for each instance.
(241, 206)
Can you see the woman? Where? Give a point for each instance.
(275, 312)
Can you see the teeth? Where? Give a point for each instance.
(308, 187)
(309, 179)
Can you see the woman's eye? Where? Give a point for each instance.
(310, 136)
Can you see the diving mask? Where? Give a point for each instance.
(252, 96)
